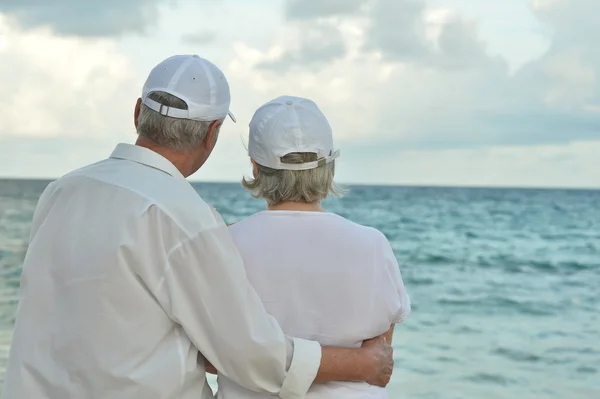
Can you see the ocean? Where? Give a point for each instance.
(505, 283)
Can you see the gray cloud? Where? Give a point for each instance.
(199, 38)
(310, 9)
(572, 21)
(459, 46)
(397, 29)
(83, 18)
(318, 44)
(473, 100)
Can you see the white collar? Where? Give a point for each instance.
(146, 157)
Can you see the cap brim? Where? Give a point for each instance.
(232, 116)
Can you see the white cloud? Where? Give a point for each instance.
(57, 86)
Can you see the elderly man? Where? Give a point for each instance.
(131, 280)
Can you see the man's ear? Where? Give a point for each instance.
(212, 135)
(136, 112)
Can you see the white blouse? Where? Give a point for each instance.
(323, 278)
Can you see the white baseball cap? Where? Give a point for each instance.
(197, 81)
(286, 125)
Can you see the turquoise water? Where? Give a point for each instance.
(505, 283)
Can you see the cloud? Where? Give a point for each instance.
(568, 75)
(56, 86)
(397, 29)
(572, 21)
(420, 77)
(410, 31)
(317, 44)
(310, 9)
(83, 18)
(199, 38)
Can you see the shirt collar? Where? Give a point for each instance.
(145, 156)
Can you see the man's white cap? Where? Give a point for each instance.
(286, 125)
(197, 81)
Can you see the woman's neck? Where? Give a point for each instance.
(297, 206)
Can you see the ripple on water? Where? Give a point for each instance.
(517, 355)
(587, 370)
(467, 330)
(424, 371)
(447, 359)
(432, 259)
(481, 304)
(423, 281)
(488, 378)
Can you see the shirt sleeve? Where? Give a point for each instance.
(206, 291)
(393, 294)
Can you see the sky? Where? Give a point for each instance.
(437, 92)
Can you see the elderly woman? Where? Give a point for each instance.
(322, 277)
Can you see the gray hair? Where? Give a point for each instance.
(174, 133)
(277, 186)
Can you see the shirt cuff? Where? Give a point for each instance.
(303, 370)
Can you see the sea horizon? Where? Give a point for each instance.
(374, 185)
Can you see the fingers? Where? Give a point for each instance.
(383, 352)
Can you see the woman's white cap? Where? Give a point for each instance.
(197, 81)
(286, 125)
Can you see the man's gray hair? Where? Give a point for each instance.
(175, 133)
(277, 186)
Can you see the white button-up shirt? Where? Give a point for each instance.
(129, 280)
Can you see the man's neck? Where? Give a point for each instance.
(297, 206)
(179, 159)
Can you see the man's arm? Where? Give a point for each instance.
(374, 365)
(204, 288)
(339, 364)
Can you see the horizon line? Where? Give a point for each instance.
(378, 184)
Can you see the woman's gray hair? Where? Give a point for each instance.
(277, 186)
(175, 133)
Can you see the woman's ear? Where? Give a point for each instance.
(254, 169)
